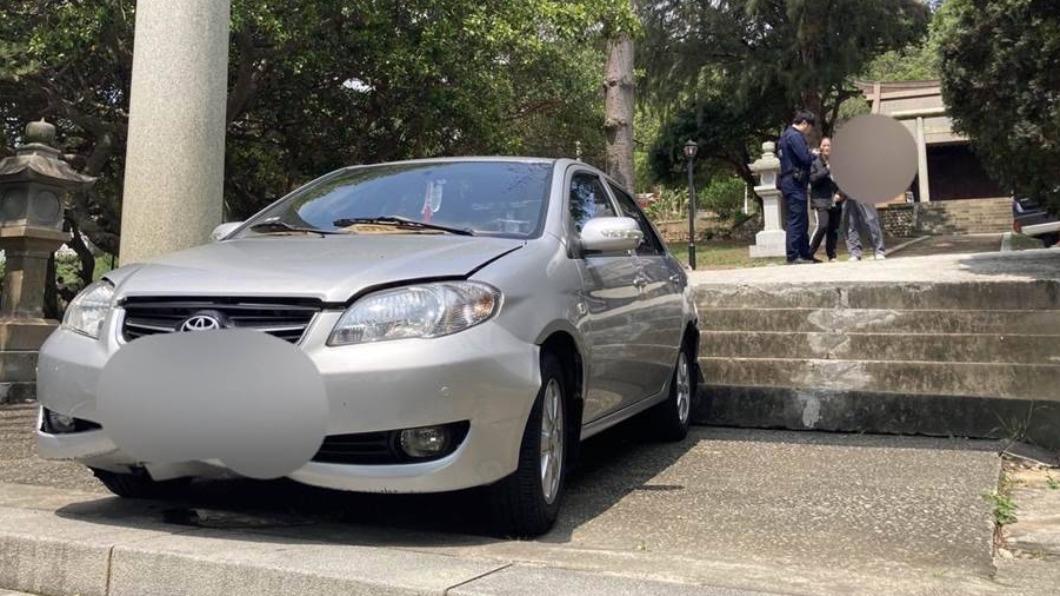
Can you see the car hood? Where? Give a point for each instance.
(332, 269)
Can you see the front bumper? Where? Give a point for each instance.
(1041, 228)
(483, 375)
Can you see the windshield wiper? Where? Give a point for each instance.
(275, 225)
(394, 220)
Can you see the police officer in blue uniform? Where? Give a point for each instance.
(795, 162)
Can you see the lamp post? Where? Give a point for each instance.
(690, 150)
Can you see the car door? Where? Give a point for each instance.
(660, 320)
(608, 300)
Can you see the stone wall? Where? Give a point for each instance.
(898, 221)
(676, 230)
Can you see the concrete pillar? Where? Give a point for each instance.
(771, 241)
(174, 166)
(922, 163)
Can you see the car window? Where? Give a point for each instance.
(498, 198)
(588, 200)
(651, 244)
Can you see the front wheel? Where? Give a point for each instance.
(670, 419)
(526, 503)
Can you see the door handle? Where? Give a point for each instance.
(675, 279)
(640, 281)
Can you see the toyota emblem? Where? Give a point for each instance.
(200, 323)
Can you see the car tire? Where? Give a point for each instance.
(1049, 239)
(526, 503)
(140, 486)
(669, 420)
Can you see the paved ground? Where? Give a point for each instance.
(1022, 265)
(725, 512)
(18, 462)
(1035, 492)
(965, 243)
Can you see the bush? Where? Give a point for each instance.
(723, 196)
(671, 204)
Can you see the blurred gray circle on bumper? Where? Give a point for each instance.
(255, 402)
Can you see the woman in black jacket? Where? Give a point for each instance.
(825, 199)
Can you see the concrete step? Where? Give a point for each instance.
(1000, 380)
(866, 411)
(1041, 294)
(1019, 349)
(881, 321)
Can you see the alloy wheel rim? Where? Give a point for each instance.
(551, 440)
(684, 389)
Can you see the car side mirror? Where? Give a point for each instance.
(611, 234)
(224, 229)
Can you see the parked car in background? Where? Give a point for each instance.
(1031, 219)
(473, 320)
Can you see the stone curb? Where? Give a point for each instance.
(46, 552)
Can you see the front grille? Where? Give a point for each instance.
(286, 319)
(360, 448)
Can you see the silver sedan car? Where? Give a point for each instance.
(465, 322)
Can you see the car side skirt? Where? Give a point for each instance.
(605, 422)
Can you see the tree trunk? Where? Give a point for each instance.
(84, 254)
(50, 306)
(811, 100)
(619, 99)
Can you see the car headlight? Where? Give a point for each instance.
(425, 310)
(89, 309)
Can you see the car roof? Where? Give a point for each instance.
(466, 158)
(558, 163)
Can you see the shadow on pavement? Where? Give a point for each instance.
(1038, 264)
(620, 459)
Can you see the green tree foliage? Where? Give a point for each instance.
(736, 70)
(1001, 84)
(916, 61)
(724, 130)
(318, 84)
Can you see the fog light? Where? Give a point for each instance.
(60, 423)
(426, 441)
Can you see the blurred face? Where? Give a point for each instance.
(826, 147)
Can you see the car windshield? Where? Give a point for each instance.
(497, 198)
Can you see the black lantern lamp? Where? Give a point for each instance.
(690, 150)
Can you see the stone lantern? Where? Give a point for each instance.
(33, 185)
(771, 241)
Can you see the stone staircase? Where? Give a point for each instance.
(978, 359)
(967, 216)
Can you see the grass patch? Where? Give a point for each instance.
(1022, 242)
(734, 254)
(720, 254)
(1004, 508)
